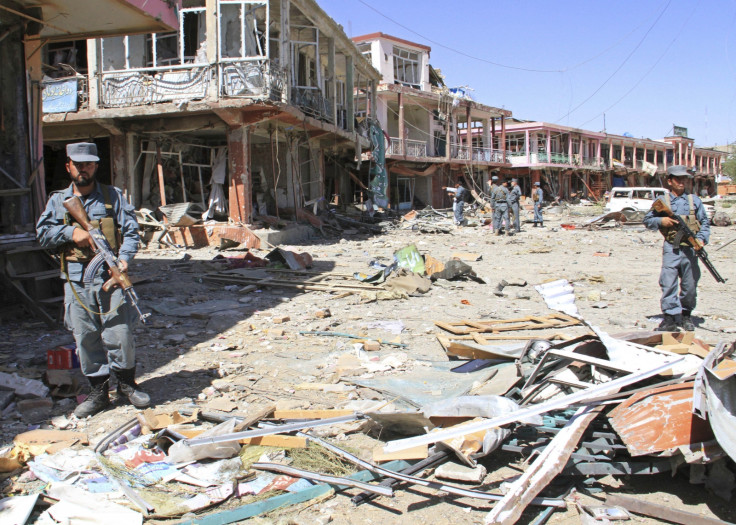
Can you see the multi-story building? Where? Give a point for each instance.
(587, 163)
(426, 125)
(252, 99)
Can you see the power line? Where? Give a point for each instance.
(498, 64)
(462, 53)
(638, 45)
(654, 65)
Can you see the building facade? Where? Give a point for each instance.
(426, 125)
(572, 162)
(250, 101)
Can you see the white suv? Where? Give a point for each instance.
(634, 202)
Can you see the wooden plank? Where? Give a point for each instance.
(255, 417)
(420, 452)
(310, 414)
(276, 441)
(656, 510)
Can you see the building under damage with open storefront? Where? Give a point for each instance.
(246, 111)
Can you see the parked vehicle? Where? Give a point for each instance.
(635, 201)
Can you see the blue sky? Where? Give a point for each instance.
(645, 64)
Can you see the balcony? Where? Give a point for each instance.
(311, 101)
(252, 78)
(414, 148)
(136, 87)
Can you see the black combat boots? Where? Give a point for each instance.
(98, 398)
(668, 324)
(128, 389)
(686, 322)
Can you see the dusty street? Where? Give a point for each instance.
(241, 359)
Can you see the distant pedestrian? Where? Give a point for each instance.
(500, 204)
(538, 199)
(458, 194)
(680, 272)
(514, 197)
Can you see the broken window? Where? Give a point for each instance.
(243, 29)
(406, 67)
(365, 49)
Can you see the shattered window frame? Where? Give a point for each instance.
(247, 13)
(407, 63)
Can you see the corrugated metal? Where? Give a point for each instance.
(658, 420)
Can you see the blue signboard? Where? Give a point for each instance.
(59, 96)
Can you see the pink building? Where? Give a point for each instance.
(572, 161)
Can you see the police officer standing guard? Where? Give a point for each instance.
(537, 199)
(680, 272)
(500, 205)
(514, 196)
(101, 320)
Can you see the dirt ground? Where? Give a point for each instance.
(241, 357)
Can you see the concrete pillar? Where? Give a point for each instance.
(469, 132)
(350, 90)
(503, 139)
(486, 133)
(610, 153)
(332, 77)
(447, 136)
(118, 162)
(284, 48)
(569, 148)
(240, 188)
(402, 124)
(527, 147)
(549, 146)
(493, 133)
(598, 151)
(211, 35)
(679, 153)
(93, 69)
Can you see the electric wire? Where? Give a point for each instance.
(638, 45)
(654, 65)
(498, 64)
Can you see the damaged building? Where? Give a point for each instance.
(425, 125)
(247, 110)
(572, 162)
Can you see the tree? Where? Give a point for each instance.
(729, 167)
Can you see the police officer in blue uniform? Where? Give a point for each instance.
(101, 321)
(513, 200)
(680, 272)
(538, 199)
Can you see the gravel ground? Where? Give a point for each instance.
(243, 358)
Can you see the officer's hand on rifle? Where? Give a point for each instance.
(123, 266)
(83, 239)
(669, 222)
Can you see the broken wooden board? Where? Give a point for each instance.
(313, 280)
(546, 466)
(457, 347)
(555, 320)
(659, 419)
(50, 441)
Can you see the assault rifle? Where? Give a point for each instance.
(105, 255)
(684, 232)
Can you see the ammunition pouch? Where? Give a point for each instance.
(107, 225)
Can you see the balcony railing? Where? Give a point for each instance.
(311, 101)
(414, 148)
(252, 78)
(135, 87)
(479, 154)
(591, 162)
